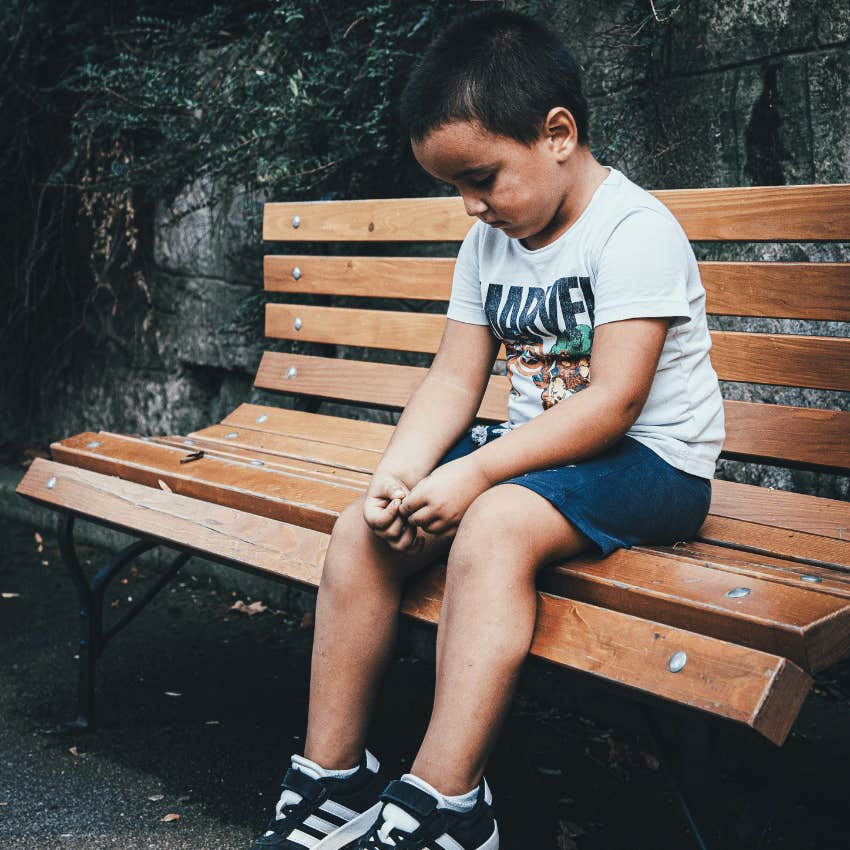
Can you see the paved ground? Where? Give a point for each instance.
(202, 707)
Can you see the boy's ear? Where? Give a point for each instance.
(560, 128)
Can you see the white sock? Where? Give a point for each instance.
(314, 769)
(458, 803)
(394, 817)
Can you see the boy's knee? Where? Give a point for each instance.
(486, 526)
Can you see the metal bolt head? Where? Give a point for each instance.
(296, 273)
(738, 592)
(298, 323)
(188, 442)
(291, 372)
(51, 482)
(231, 435)
(677, 661)
(262, 418)
(811, 579)
(296, 221)
(257, 463)
(94, 444)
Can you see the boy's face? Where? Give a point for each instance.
(516, 188)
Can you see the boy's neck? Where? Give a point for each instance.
(589, 176)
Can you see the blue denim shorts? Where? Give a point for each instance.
(626, 496)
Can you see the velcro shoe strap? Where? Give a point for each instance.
(409, 797)
(310, 789)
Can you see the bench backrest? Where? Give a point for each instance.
(810, 437)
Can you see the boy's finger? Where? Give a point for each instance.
(394, 530)
(379, 517)
(421, 517)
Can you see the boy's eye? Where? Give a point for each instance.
(480, 184)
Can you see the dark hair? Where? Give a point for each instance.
(502, 69)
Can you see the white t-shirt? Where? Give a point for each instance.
(625, 257)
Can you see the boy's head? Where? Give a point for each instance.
(499, 69)
(495, 108)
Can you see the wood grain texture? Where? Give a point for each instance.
(811, 629)
(719, 677)
(746, 213)
(751, 687)
(805, 437)
(776, 290)
(299, 499)
(833, 578)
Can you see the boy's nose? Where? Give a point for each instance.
(474, 206)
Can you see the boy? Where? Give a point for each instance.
(566, 255)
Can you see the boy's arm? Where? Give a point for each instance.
(625, 358)
(444, 403)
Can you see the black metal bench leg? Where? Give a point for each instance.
(693, 781)
(93, 637)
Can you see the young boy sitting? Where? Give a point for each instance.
(615, 424)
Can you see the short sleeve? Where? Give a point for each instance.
(465, 303)
(643, 271)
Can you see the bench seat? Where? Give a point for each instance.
(742, 683)
(269, 483)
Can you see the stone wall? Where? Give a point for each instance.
(715, 94)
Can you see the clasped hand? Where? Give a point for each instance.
(434, 507)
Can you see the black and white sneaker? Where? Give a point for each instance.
(411, 819)
(324, 813)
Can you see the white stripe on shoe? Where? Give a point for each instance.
(338, 810)
(323, 826)
(303, 838)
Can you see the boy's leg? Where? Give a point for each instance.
(486, 627)
(356, 625)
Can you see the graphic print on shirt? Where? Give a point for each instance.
(548, 334)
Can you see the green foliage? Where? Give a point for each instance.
(110, 109)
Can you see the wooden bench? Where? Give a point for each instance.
(732, 623)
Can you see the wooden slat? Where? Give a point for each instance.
(377, 384)
(244, 452)
(751, 687)
(747, 213)
(417, 278)
(786, 360)
(811, 629)
(369, 436)
(809, 437)
(778, 290)
(775, 290)
(833, 579)
(764, 539)
(781, 509)
(266, 492)
(804, 436)
(782, 359)
(291, 448)
(724, 679)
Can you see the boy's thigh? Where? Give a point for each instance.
(514, 523)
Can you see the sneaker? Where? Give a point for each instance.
(332, 811)
(410, 819)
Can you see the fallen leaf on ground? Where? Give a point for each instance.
(170, 817)
(254, 608)
(173, 694)
(212, 723)
(74, 751)
(307, 621)
(38, 538)
(155, 798)
(164, 486)
(10, 595)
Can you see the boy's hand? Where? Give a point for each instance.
(381, 512)
(439, 501)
